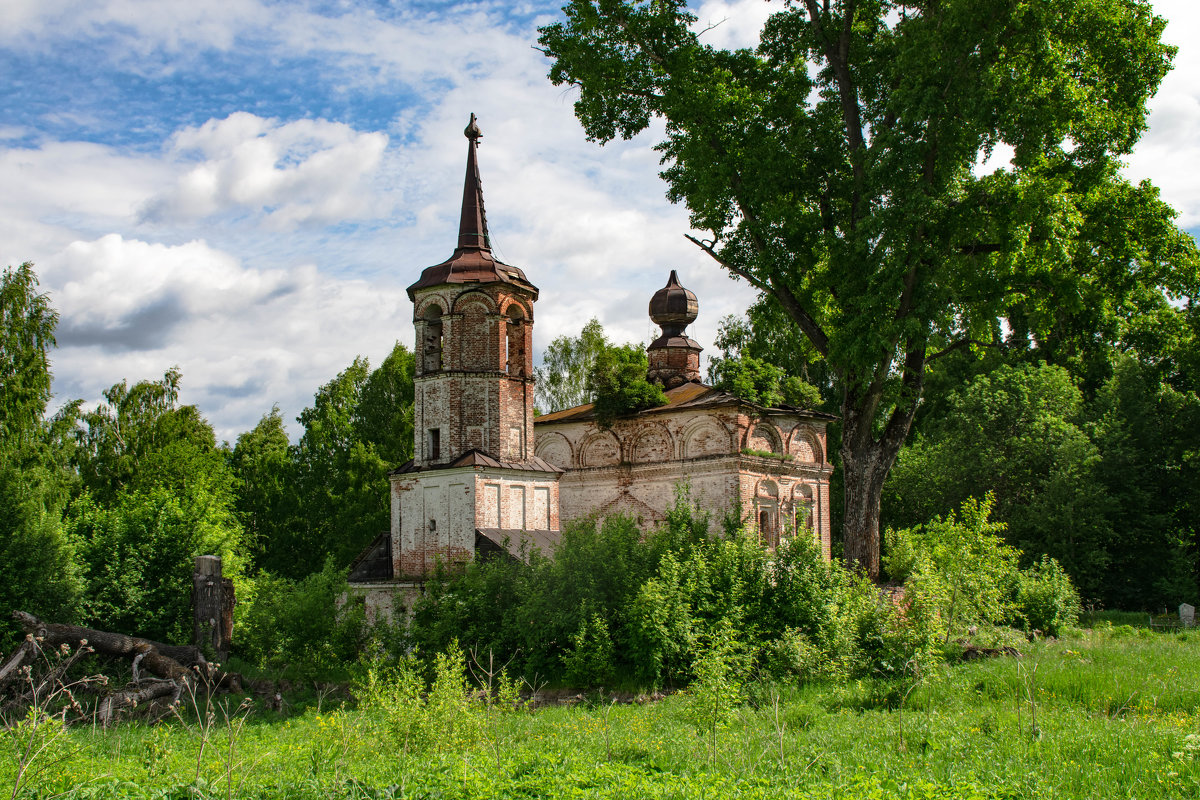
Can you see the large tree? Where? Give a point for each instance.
(37, 561)
(835, 168)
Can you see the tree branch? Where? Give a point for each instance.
(809, 326)
(956, 346)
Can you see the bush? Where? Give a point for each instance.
(589, 661)
(1045, 599)
(958, 567)
(613, 607)
(302, 626)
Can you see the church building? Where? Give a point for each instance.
(488, 477)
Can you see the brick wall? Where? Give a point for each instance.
(635, 467)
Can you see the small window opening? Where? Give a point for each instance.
(764, 527)
(433, 344)
(435, 444)
(515, 349)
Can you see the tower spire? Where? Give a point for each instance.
(472, 226)
(472, 260)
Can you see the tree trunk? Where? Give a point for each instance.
(164, 660)
(866, 462)
(863, 472)
(176, 667)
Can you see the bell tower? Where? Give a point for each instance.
(474, 480)
(474, 321)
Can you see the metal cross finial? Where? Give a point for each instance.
(472, 131)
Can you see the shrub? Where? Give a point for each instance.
(1045, 599)
(617, 381)
(304, 626)
(589, 661)
(957, 566)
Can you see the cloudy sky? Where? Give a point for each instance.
(244, 188)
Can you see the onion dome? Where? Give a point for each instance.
(674, 358)
(673, 307)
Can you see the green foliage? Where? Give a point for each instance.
(766, 335)
(1147, 430)
(958, 565)
(158, 493)
(266, 497)
(589, 660)
(303, 627)
(383, 416)
(448, 716)
(27, 325)
(140, 437)
(329, 499)
(613, 608)
(1018, 434)
(41, 575)
(137, 556)
(717, 691)
(619, 386)
(762, 382)
(1045, 599)
(562, 380)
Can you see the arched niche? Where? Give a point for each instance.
(554, 448)
(805, 508)
(805, 445)
(767, 509)
(706, 437)
(515, 355)
(763, 436)
(601, 449)
(652, 444)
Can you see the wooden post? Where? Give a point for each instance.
(212, 605)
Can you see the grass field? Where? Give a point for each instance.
(1108, 712)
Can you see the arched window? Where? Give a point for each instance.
(515, 363)
(805, 510)
(764, 527)
(432, 346)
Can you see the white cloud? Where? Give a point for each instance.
(244, 338)
(301, 171)
(147, 25)
(732, 23)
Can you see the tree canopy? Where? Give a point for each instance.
(562, 379)
(836, 169)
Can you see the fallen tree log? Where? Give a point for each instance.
(164, 660)
(176, 667)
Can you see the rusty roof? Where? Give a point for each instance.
(472, 260)
(687, 396)
(520, 543)
(478, 458)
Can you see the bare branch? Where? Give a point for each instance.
(956, 346)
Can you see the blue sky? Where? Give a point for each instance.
(244, 188)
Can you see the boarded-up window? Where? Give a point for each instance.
(514, 508)
(541, 508)
(491, 505)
